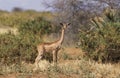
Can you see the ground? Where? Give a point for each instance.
(69, 66)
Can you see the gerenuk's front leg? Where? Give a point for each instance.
(38, 58)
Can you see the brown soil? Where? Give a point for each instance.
(39, 76)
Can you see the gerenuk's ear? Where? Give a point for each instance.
(68, 23)
(61, 23)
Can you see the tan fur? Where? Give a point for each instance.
(53, 47)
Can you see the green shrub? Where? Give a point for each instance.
(103, 42)
(30, 34)
(9, 48)
(22, 47)
(37, 26)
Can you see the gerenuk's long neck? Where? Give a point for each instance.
(62, 36)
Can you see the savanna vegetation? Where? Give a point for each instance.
(91, 47)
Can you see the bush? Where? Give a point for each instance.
(103, 42)
(9, 48)
(22, 47)
(37, 26)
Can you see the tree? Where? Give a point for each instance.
(17, 9)
(111, 3)
(79, 12)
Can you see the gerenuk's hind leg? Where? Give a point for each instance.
(37, 60)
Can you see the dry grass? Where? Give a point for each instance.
(71, 67)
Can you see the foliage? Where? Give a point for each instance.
(36, 26)
(16, 19)
(22, 47)
(103, 41)
(78, 13)
(17, 9)
(9, 51)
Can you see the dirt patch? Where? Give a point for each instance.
(39, 75)
(8, 76)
